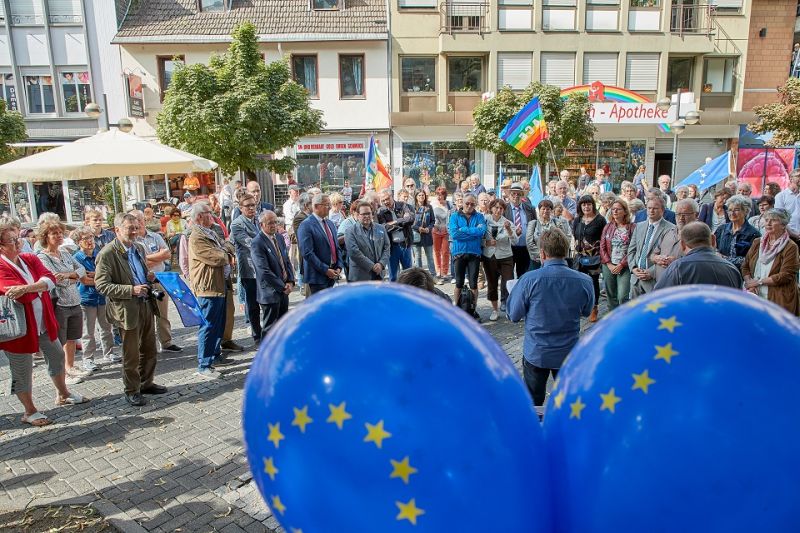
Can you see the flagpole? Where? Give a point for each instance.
(552, 152)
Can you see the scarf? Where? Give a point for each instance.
(769, 247)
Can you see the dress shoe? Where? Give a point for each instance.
(171, 348)
(223, 361)
(154, 389)
(593, 316)
(135, 399)
(231, 346)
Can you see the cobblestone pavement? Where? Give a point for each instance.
(176, 464)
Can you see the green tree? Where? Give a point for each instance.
(567, 121)
(12, 130)
(237, 109)
(782, 118)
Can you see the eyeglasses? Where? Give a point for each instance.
(683, 215)
(367, 214)
(470, 203)
(248, 206)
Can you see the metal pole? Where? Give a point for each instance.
(105, 111)
(675, 141)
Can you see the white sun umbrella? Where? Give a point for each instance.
(107, 154)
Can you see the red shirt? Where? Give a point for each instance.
(9, 276)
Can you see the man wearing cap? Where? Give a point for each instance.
(186, 205)
(520, 213)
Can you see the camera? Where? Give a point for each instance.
(155, 294)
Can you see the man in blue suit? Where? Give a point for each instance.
(316, 238)
(273, 270)
(655, 192)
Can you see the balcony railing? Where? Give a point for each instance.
(691, 19)
(464, 17)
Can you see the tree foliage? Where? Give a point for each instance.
(567, 121)
(237, 108)
(12, 130)
(782, 118)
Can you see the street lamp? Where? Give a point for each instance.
(679, 125)
(93, 110)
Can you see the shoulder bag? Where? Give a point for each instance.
(12, 319)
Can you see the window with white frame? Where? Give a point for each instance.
(641, 71)
(26, 11)
(514, 69)
(644, 15)
(416, 4)
(718, 75)
(602, 15)
(324, 4)
(39, 94)
(559, 15)
(212, 5)
(76, 90)
(8, 91)
(558, 68)
(515, 15)
(600, 66)
(418, 74)
(465, 74)
(65, 11)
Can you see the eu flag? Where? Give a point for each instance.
(182, 297)
(711, 173)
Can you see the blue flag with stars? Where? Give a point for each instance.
(182, 297)
(711, 173)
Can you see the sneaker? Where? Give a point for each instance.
(112, 358)
(452, 281)
(76, 372)
(502, 307)
(89, 365)
(73, 380)
(493, 316)
(231, 346)
(171, 348)
(208, 373)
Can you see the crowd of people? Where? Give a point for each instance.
(578, 244)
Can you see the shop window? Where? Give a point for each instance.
(600, 66)
(166, 69)
(718, 75)
(85, 195)
(620, 159)
(641, 72)
(419, 74)
(558, 69)
(212, 5)
(304, 70)
(679, 73)
(465, 74)
(602, 15)
(325, 4)
(515, 15)
(49, 198)
(39, 92)
(26, 11)
(559, 15)
(440, 163)
(416, 4)
(514, 70)
(76, 90)
(8, 91)
(330, 169)
(19, 194)
(5, 200)
(65, 11)
(351, 76)
(155, 188)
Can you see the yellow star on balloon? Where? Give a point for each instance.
(409, 511)
(269, 468)
(376, 433)
(610, 400)
(642, 381)
(665, 352)
(558, 399)
(338, 414)
(275, 434)
(654, 307)
(576, 407)
(402, 469)
(669, 323)
(301, 418)
(277, 504)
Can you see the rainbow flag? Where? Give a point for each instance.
(527, 129)
(376, 170)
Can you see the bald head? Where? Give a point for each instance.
(696, 235)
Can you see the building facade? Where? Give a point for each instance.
(337, 49)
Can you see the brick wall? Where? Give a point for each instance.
(768, 58)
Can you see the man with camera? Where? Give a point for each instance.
(123, 278)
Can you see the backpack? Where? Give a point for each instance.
(467, 302)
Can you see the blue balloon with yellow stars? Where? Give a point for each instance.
(380, 408)
(678, 412)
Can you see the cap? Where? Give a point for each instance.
(490, 191)
(187, 195)
(294, 187)
(517, 186)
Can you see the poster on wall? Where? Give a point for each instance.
(135, 96)
(755, 163)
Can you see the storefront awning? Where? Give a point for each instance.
(107, 154)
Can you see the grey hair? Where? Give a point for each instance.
(746, 186)
(691, 202)
(681, 188)
(121, 218)
(635, 206)
(781, 215)
(264, 214)
(304, 200)
(658, 192)
(474, 177)
(48, 217)
(199, 208)
(318, 199)
(11, 221)
(470, 195)
(626, 185)
(740, 201)
(563, 182)
(458, 194)
(136, 213)
(607, 197)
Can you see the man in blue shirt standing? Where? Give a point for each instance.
(552, 300)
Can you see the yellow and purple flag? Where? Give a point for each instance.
(377, 174)
(527, 129)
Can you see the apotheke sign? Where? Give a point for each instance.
(330, 147)
(617, 105)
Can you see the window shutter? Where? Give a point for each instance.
(641, 71)
(558, 69)
(727, 4)
(416, 3)
(64, 10)
(514, 70)
(600, 67)
(29, 9)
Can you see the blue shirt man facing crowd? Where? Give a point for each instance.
(552, 300)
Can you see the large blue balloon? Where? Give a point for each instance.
(381, 408)
(679, 413)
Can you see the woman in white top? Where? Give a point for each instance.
(498, 259)
(535, 229)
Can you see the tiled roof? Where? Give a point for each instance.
(150, 20)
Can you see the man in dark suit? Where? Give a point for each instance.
(243, 230)
(254, 189)
(273, 271)
(316, 237)
(520, 214)
(368, 247)
(644, 244)
(655, 192)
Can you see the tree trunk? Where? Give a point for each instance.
(249, 175)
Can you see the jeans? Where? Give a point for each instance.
(209, 336)
(618, 286)
(398, 255)
(428, 256)
(252, 309)
(536, 380)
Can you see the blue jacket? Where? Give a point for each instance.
(641, 215)
(267, 267)
(89, 295)
(316, 251)
(466, 235)
(734, 246)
